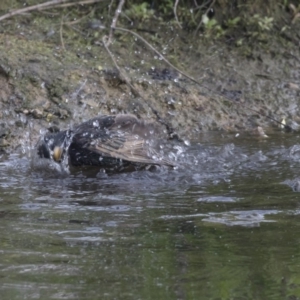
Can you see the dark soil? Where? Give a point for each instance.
(55, 76)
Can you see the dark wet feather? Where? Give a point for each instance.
(106, 140)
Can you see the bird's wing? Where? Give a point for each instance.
(129, 147)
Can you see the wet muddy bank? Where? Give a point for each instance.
(52, 76)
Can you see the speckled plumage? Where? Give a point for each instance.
(105, 141)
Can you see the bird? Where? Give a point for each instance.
(106, 141)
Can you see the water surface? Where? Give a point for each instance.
(223, 225)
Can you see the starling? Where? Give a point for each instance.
(107, 141)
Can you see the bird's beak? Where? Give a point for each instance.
(57, 153)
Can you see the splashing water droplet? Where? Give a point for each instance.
(96, 123)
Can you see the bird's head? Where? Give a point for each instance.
(54, 145)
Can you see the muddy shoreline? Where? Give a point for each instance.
(50, 79)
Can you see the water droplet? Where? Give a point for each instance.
(96, 123)
(187, 142)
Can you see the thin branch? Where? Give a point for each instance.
(30, 8)
(202, 5)
(200, 23)
(127, 80)
(76, 93)
(158, 53)
(80, 3)
(61, 34)
(175, 12)
(79, 20)
(110, 6)
(114, 21)
(170, 130)
(75, 29)
(49, 4)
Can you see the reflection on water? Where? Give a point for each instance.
(223, 225)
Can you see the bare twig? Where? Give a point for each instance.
(158, 53)
(202, 4)
(75, 29)
(49, 4)
(127, 80)
(61, 31)
(114, 21)
(200, 23)
(79, 3)
(155, 112)
(175, 12)
(170, 130)
(79, 20)
(61, 34)
(33, 7)
(110, 6)
(76, 93)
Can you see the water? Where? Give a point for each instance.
(224, 225)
